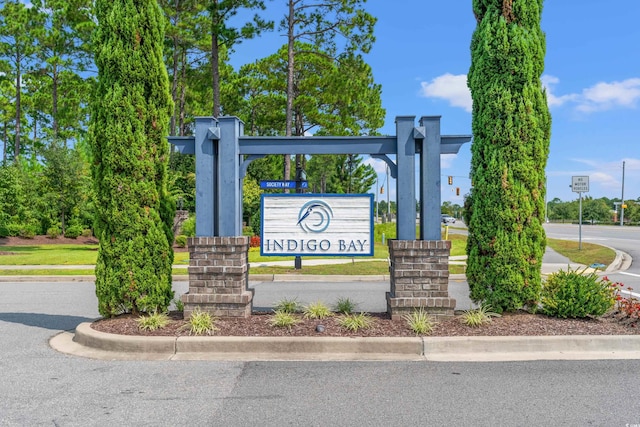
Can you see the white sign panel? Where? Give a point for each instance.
(317, 224)
(580, 184)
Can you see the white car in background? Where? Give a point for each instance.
(448, 219)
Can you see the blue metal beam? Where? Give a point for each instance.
(317, 145)
(219, 148)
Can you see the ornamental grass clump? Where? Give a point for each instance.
(153, 321)
(419, 322)
(575, 294)
(355, 322)
(317, 310)
(283, 319)
(478, 316)
(201, 323)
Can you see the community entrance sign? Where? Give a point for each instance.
(316, 224)
(218, 266)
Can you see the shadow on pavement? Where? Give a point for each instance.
(46, 321)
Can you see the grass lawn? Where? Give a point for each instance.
(44, 255)
(589, 254)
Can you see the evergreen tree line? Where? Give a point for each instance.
(600, 211)
(318, 82)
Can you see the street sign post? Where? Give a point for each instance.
(580, 184)
(271, 184)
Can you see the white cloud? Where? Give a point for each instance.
(549, 82)
(606, 175)
(452, 88)
(599, 97)
(377, 164)
(605, 96)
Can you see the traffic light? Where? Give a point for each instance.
(382, 190)
(457, 191)
(450, 180)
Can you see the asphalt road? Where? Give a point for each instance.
(42, 387)
(626, 239)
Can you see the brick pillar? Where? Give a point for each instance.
(420, 278)
(219, 277)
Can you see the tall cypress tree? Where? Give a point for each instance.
(511, 127)
(129, 123)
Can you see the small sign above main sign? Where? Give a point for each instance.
(580, 184)
(283, 184)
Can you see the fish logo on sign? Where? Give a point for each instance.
(315, 216)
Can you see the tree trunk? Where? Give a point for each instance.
(54, 101)
(16, 148)
(215, 61)
(290, 64)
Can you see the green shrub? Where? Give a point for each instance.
(575, 294)
(317, 310)
(344, 306)
(179, 305)
(73, 231)
(53, 232)
(87, 232)
(419, 322)
(27, 231)
(287, 305)
(189, 227)
(181, 240)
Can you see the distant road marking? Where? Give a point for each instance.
(633, 294)
(629, 274)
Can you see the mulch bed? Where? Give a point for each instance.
(516, 324)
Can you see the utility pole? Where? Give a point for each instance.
(622, 200)
(388, 191)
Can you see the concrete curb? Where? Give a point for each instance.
(87, 342)
(621, 262)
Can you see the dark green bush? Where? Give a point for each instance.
(181, 240)
(27, 231)
(189, 227)
(53, 232)
(73, 231)
(573, 294)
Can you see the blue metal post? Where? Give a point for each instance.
(430, 179)
(229, 214)
(405, 183)
(205, 153)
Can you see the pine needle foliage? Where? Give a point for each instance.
(511, 127)
(129, 124)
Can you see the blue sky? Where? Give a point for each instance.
(592, 74)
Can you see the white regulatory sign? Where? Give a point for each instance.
(580, 184)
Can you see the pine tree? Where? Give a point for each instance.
(129, 123)
(511, 127)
